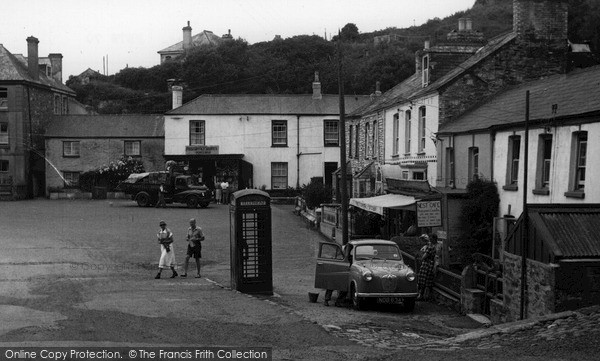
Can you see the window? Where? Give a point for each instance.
(279, 133)
(71, 149)
(332, 133)
(3, 98)
(65, 105)
(350, 140)
(578, 165)
(473, 163)
(356, 141)
(544, 160)
(132, 148)
(367, 149)
(3, 133)
(418, 175)
(71, 179)
(450, 167)
(407, 135)
(57, 105)
(425, 70)
(514, 149)
(422, 127)
(3, 166)
(396, 134)
(279, 175)
(405, 174)
(374, 141)
(197, 133)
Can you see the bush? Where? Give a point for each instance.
(315, 194)
(477, 218)
(110, 175)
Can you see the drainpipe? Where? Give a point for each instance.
(297, 152)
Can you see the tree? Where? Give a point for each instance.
(349, 32)
(477, 218)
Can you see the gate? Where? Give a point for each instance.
(489, 279)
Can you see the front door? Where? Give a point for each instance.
(332, 268)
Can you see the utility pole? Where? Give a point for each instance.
(525, 220)
(343, 171)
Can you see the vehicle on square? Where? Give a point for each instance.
(178, 188)
(370, 270)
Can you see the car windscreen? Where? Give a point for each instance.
(377, 251)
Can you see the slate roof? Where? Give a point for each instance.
(206, 37)
(571, 231)
(575, 93)
(411, 88)
(107, 126)
(287, 104)
(12, 68)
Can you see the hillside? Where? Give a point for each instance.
(287, 65)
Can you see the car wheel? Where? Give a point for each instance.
(192, 202)
(409, 304)
(357, 302)
(143, 199)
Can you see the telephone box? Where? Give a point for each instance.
(250, 240)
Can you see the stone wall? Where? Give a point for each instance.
(540, 298)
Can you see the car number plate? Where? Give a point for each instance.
(389, 300)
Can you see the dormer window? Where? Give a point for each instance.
(3, 98)
(425, 67)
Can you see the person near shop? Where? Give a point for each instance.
(195, 237)
(167, 253)
(342, 296)
(218, 193)
(225, 192)
(161, 196)
(427, 268)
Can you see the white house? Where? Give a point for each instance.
(258, 141)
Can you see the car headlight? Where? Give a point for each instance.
(367, 275)
(410, 276)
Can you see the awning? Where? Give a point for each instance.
(377, 204)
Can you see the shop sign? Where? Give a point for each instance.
(201, 149)
(429, 213)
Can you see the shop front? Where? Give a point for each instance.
(216, 168)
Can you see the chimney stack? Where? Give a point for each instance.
(377, 91)
(33, 58)
(468, 24)
(56, 64)
(461, 24)
(317, 87)
(187, 37)
(177, 96)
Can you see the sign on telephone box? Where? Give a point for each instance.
(429, 213)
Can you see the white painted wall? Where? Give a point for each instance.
(251, 135)
(559, 171)
(431, 102)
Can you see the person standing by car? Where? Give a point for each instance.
(342, 296)
(426, 270)
(167, 254)
(161, 196)
(194, 249)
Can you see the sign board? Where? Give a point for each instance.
(429, 213)
(201, 149)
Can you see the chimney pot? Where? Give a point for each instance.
(33, 58)
(377, 91)
(317, 87)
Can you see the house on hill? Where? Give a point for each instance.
(31, 94)
(204, 38)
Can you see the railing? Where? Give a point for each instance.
(448, 282)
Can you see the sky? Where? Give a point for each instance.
(131, 32)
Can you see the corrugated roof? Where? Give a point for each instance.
(114, 126)
(268, 104)
(13, 68)
(577, 92)
(203, 38)
(574, 231)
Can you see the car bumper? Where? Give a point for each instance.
(385, 294)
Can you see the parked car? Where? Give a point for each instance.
(179, 188)
(369, 270)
